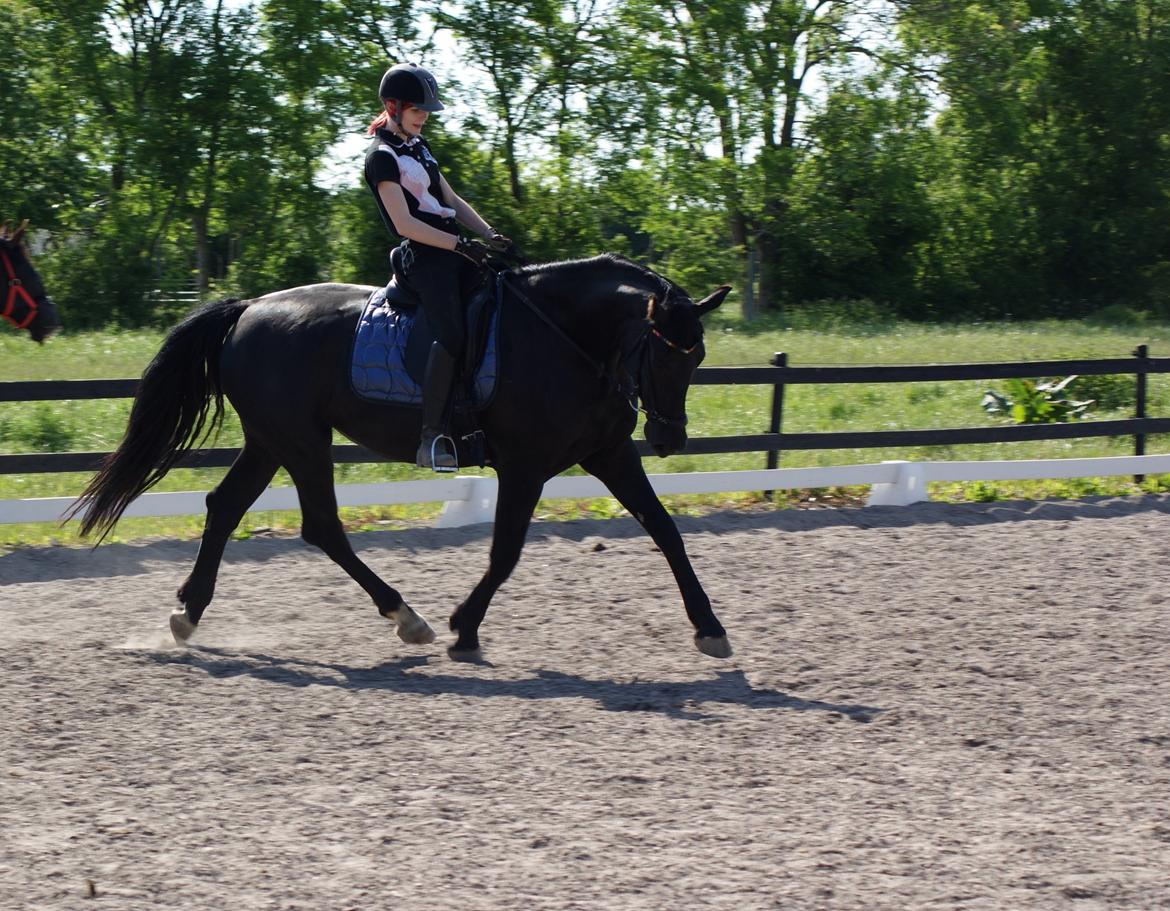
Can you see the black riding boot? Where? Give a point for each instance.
(437, 450)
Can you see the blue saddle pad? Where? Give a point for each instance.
(378, 369)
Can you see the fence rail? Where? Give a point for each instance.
(471, 499)
(779, 376)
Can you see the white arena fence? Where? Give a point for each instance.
(469, 500)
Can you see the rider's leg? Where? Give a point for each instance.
(435, 449)
(436, 276)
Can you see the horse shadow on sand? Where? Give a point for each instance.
(681, 700)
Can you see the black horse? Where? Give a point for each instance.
(25, 303)
(579, 343)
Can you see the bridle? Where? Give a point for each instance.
(16, 289)
(636, 358)
(643, 352)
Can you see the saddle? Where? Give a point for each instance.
(399, 293)
(393, 339)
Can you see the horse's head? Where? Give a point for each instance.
(673, 350)
(24, 303)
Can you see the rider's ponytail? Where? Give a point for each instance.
(377, 123)
(383, 119)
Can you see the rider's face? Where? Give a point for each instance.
(413, 121)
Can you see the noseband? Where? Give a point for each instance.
(16, 289)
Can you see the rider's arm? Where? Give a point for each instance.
(466, 215)
(406, 224)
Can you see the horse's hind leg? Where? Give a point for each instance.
(226, 505)
(321, 527)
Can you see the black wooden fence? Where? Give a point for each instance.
(779, 376)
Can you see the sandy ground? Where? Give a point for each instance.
(929, 707)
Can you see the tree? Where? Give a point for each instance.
(1057, 120)
(732, 78)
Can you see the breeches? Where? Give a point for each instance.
(440, 276)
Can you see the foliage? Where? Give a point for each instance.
(1108, 392)
(994, 159)
(43, 431)
(1029, 402)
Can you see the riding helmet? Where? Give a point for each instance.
(411, 82)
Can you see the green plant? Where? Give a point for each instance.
(1029, 402)
(917, 394)
(1110, 392)
(981, 492)
(46, 432)
(843, 411)
(1118, 315)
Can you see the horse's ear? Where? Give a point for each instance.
(19, 232)
(712, 300)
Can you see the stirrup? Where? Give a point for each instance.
(448, 450)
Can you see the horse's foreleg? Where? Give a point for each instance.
(226, 505)
(321, 527)
(621, 471)
(516, 500)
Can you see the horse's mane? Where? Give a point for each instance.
(630, 272)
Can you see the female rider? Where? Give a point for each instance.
(416, 203)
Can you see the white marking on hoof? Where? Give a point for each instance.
(411, 628)
(715, 646)
(467, 656)
(181, 627)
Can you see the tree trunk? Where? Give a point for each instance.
(767, 251)
(513, 166)
(202, 249)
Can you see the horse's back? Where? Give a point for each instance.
(291, 344)
(324, 294)
(310, 310)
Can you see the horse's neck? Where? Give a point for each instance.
(588, 304)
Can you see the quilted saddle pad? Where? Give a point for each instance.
(382, 350)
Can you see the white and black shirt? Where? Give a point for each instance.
(410, 164)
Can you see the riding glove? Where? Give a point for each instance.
(474, 250)
(499, 243)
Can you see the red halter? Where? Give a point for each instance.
(16, 288)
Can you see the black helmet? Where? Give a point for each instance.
(410, 82)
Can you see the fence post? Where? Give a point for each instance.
(1139, 440)
(779, 359)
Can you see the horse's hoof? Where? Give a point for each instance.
(715, 646)
(466, 655)
(415, 630)
(181, 627)
(411, 628)
(417, 634)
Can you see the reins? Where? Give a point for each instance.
(598, 368)
(16, 288)
(631, 391)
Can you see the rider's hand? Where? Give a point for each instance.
(474, 250)
(499, 243)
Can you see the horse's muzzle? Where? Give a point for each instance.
(665, 439)
(46, 322)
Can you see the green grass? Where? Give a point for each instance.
(714, 411)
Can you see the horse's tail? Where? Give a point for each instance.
(169, 416)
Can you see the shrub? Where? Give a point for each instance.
(1029, 402)
(1118, 315)
(46, 432)
(1110, 391)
